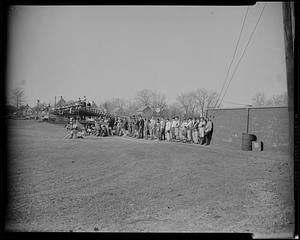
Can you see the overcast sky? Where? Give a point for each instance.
(104, 52)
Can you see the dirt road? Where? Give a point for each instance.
(125, 184)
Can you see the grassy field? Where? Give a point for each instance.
(126, 184)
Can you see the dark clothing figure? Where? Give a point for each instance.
(136, 134)
(162, 134)
(208, 132)
(141, 128)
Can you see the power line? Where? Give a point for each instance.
(235, 51)
(243, 54)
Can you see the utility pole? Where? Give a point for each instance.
(289, 59)
(288, 23)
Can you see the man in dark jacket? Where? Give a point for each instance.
(141, 127)
(208, 131)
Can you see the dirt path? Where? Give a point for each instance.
(119, 184)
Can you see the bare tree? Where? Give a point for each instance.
(158, 100)
(118, 103)
(17, 97)
(280, 99)
(130, 107)
(205, 99)
(108, 106)
(143, 97)
(259, 99)
(188, 103)
(174, 110)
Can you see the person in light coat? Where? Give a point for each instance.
(177, 125)
(168, 129)
(189, 126)
(182, 130)
(172, 130)
(152, 128)
(195, 130)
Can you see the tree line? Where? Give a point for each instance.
(188, 104)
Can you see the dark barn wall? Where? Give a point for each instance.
(229, 124)
(269, 124)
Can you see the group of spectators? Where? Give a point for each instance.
(77, 105)
(188, 130)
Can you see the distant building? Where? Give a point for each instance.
(27, 111)
(94, 105)
(61, 102)
(70, 102)
(145, 111)
(118, 111)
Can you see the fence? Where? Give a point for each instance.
(269, 124)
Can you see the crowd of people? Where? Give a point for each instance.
(187, 130)
(80, 104)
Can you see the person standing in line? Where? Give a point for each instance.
(201, 130)
(183, 130)
(168, 129)
(141, 127)
(89, 105)
(176, 128)
(162, 129)
(152, 128)
(126, 127)
(112, 124)
(116, 126)
(146, 128)
(133, 126)
(129, 126)
(172, 130)
(189, 130)
(157, 129)
(208, 131)
(120, 127)
(149, 129)
(195, 130)
(106, 126)
(84, 102)
(137, 127)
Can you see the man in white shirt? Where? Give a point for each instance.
(172, 131)
(168, 129)
(152, 128)
(189, 130)
(177, 124)
(163, 129)
(182, 130)
(195, 132)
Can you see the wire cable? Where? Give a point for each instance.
(234, 54)
(243, 54)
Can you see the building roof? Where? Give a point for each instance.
(61, 102)
(144, 108)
